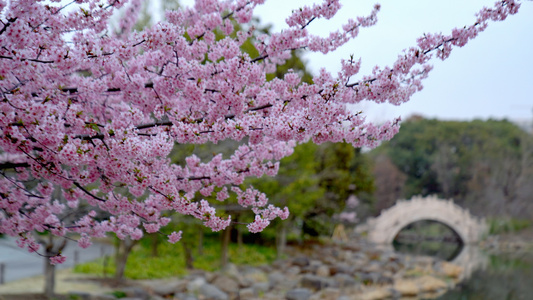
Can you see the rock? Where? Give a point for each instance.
(294, 270)
(316, 282)
(322, 271)
(373, 267)
(276, 278)
(341, 268)
(329, 294)
(393, 266)
(344, 280)
(450, 270)
(211, 292)
(309, 269)
(209, 276)
(247, 294)
(183, 296)
(345, 255)
(375, 294)
(136, 292)
(231, 271)
(373, 278)
(226, 284)
(298, 294)
(261, 287)
(255, 275)
(315, 263)
(106, 297)
(79, 295)
(406, 287)
(329, 260)
(194, 285)
(165, 287)
(431, 284)
(301, 261)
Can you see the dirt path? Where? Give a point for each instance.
(66, 281)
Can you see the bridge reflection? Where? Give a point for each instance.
(469, 229)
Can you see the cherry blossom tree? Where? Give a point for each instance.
(95, 111)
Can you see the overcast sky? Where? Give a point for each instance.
(491, 77)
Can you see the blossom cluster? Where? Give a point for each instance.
(89, 115)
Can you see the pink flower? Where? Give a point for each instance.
(174, 237)
(57, 259)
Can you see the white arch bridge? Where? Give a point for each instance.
(384, 228)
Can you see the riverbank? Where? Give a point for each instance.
(337, 271)
(510, 242)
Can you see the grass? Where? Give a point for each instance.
(171, 262)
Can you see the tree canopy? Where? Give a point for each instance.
(485, 165)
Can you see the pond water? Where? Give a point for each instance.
(506, 276)
(502, 276)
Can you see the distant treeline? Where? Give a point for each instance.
(486, 166)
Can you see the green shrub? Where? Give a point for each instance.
(171, 262)
(499, 226)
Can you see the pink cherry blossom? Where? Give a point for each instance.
(174, 237)
(91, 112)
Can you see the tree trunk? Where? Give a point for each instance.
(239, 237)
(155, 244)
(281, 240)
(189, 259)
(49, 278)
(226, 235)
(200, 249)
(123, 251)
(52, 247)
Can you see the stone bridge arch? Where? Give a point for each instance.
(384, 228)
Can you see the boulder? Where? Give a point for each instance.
(406, 287)
(294, 270)
(345, 280)
(276, 278)
(226, 284)
(298, 294)
(322, 271)
(247, 294)
(165, 287)
(183, 296)
(255, 275)
(341, 268)
(431, 284)
(329, 294)
(261, 287)
(450, 270)
(136, 292)
(375, 294)
(301, 261)
(211, 292)
(316, 282)
(194, 285)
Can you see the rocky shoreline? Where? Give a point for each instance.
(332, 271)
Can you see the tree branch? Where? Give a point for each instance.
(88, 193)
(10, 165)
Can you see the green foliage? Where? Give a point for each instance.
(170, 261)
(508, 225)
(314, 183)
(119, 294)
(459, 160)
